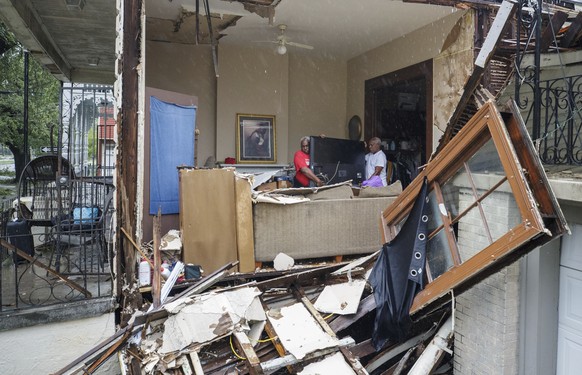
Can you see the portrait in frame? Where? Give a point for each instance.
(255, 139)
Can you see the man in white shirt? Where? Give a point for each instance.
(376, 161)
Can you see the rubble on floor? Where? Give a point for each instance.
(300, 320)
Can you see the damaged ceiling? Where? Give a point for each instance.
(77, 43)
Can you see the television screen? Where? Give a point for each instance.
(337, 160)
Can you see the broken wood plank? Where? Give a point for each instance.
(38, 263)
(550, 32)
(270, 330)
(571, 35)
(137, 247)
(298, 292)
(367, 305)
(195, 359)
(157, 282)
(288, 360)
(299, 277)
(395, 350)
(432, 355)
(97, 348)
(253, 361)
(200, 286)
(108, 353)
(353, 361)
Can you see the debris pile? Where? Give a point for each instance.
(300, 320)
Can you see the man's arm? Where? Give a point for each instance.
(310, 175)
(377, 171)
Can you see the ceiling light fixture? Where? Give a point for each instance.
(281, 49)
(75, 4)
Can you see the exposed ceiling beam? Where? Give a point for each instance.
(20, 17)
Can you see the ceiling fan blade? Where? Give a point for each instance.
(265, 41)
(299, 45)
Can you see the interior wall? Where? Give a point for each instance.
(317, 99)
(187, 69)
(252, 81)
(420, 45)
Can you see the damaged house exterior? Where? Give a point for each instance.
(420, 75)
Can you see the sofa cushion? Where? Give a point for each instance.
(385, 191)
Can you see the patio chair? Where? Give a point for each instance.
(41, 195)
(84, 227)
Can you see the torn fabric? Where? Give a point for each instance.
(398, 275)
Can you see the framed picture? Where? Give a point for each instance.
(255, 139)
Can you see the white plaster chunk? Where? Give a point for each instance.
(206, 317)
(283, 262)
(298, 331)
(333, 364)
(255, 312)
(256, 331)
(341, 299)
(171, 241)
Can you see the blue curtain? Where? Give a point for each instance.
(171, 145)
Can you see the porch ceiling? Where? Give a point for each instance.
(68, 41)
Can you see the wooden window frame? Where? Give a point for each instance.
(536, 221)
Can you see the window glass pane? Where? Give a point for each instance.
(485, 172)
(486, 160)
(471, 232)
(438, 255)
(485, 222)
(450, 190)
(501, 211)
(434, 216)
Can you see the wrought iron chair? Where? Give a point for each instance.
(84, 226)
(40, 189)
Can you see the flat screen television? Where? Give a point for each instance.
(337, 160)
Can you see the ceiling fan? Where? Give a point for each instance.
(283, 41)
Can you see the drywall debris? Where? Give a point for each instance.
(283, 262)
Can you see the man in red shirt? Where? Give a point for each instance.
(303, 174)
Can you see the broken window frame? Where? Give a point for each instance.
(487, 124)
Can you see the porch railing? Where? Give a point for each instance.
(558, 138)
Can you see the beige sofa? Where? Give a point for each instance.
(318, 228)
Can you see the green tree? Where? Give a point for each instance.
(43, 101)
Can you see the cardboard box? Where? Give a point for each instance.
(267, 186)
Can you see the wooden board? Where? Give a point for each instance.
(208, 217)
(244, 225)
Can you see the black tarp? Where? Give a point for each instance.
(398, 275)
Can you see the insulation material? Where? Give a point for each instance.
(291, 323)
(342, 298)
(334, 364)
(207, 317)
